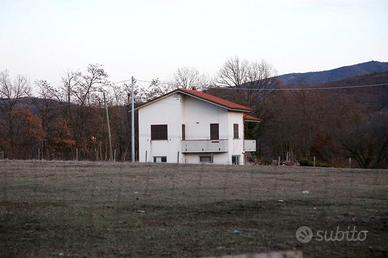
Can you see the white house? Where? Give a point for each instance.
(190, 126)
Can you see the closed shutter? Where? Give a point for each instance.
(214, 132)
(235, 131)
(158, 132)
(183, 132)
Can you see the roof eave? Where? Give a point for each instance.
(214, 103)
(252, 121)
(193, 96)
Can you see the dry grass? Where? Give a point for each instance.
(88, 209)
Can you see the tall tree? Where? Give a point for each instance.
(233, 73)
(11, 91)
(365, 139)
(188, 77)
(252, 81)
(84, 89)
(49, 110)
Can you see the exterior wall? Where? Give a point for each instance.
(218, 158)
(165, 111)
(197, 116)
(236, 146)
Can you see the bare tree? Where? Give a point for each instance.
(252, 80)
(79, 91)
(365, 139)
(47, 106)
(70, 80)
(11, 91)
(259, 82)
(157, 88)
(89, 83)
(233, 73)
(187, 77)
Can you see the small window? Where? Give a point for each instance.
(235, 131)
(236, 160)
(183, 132)
(158, 132)
(159, 159)
(206, 159)
(214, 132)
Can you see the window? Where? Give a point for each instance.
(235, 131)
(159, 159)
(214, 132)
(183, 132)
(158, 132)
(236, 160)
(206, 159)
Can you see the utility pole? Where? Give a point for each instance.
(133, 119)
(108, 125)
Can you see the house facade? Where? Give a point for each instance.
(190, 126)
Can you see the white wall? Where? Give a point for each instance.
(236, 146)
(165, 111)
(197, 116)
(218, 158)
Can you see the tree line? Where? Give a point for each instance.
(68, 120)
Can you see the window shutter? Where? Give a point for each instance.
(183, 132)
(214, 132)
(159, 132)
(235, 131)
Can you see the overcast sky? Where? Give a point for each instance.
(152, 38)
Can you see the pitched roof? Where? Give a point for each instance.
(217, 100)
(229, 105)
(250, 118)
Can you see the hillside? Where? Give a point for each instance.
(375, 98)
(322, 77)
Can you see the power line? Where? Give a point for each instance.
(272, 89)
(314, 88)
(118, 82)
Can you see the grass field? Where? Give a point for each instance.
(89, 209)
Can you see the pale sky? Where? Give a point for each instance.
(152, 38)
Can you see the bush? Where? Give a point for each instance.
(310, 163)
(306, 163)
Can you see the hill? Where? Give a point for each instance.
(375, 98)
(323, 77)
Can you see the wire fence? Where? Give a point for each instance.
(93, 209)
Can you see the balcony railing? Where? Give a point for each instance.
(198, 146)
(249, 145)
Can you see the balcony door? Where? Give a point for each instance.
(214, 132)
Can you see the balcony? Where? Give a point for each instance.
(198, 146)
(249, 145)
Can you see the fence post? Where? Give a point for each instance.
(278, 160)
(314, 161)
(100, 150)
(76, 154)
(350, 162)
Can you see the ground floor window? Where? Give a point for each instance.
(236, 159)
(158, 159)
(206, 159)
